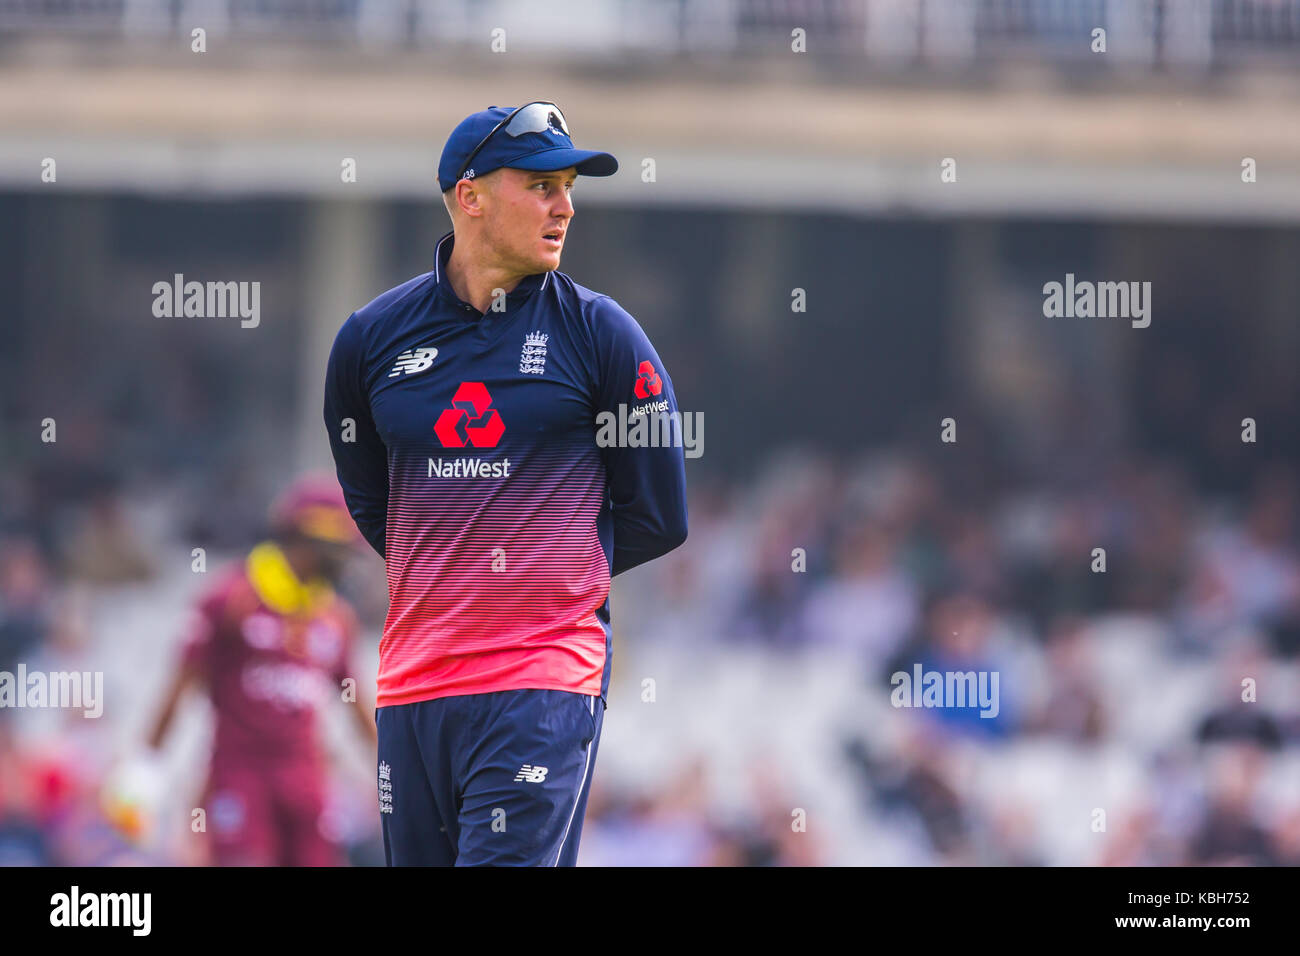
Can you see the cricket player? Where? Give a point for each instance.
(272, 643)
(462, 413)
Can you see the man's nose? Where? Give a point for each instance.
(565, 205)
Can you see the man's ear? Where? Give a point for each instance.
(474, 192)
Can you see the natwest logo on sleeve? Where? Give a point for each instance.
(648, 381)
(471, 420)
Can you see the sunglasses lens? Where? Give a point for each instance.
(533, 118)
(537, 118)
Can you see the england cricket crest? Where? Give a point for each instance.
(532, 359)
(385, 787)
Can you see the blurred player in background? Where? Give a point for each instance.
(271, 642)
(462, 410)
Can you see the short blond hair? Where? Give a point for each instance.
(486, 182)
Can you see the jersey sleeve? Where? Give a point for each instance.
(360, 457)
(349, 628)
(201, 632)
(647, 485)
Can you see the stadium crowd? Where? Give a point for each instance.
(1121, 688)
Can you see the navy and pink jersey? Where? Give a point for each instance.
(466, 447)
(267, 674)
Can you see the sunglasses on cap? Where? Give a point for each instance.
(535, 117)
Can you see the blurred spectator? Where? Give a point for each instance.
(1249, 574)
(868, 605)
(22, 841)
(105, 549)
(1063, 581)
(916, 781)
(1287, 839)
(667, 828)
(771, 604)
(957, 639)
(1229, 833)
(1242, 719)
(25, 602)
(1073, 707)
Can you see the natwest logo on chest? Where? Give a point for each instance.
(471, 420)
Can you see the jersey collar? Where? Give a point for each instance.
(442, 253)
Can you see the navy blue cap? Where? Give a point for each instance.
(547, 150)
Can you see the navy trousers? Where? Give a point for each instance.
(497, 779)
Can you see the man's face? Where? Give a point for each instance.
(528, 217)
(315, 558)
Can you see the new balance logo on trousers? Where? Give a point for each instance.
(497, 779)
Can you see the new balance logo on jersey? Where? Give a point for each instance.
(412, 361)
(530, 774)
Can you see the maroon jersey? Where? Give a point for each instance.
(268, 672)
